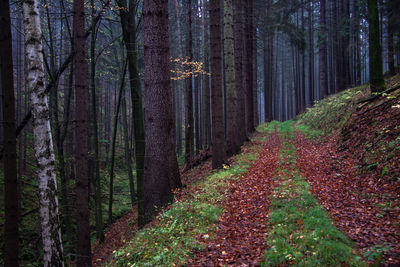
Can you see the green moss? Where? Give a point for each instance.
(331, 113)
(300, 230)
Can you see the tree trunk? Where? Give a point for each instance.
(390, 44)
(11, 242)
(217, 123)
(375, 54)
(206, 80)
(81, 138)
(113, 144)
(255, 84)
(249, 64)
(128, 158)
(239, 50)
(322, 51)
(51, 235)
(229, 67)
(311, 55)
(179, 83)
(161, 173)
(96, 180)
(129, 34)
(268, 63)
(189, 94)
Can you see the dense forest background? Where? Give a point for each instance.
(105, 103)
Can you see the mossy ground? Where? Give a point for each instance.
(172, 239)
(301, 232)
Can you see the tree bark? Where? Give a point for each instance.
(206, 79)
(249, 64)
(390, 44)
(322, 51)
(51, 235)
(217, 123)
(96, 180)
(128, 158)
(189, 94)
(161, 173)
(129, 34)
(375, 54)
(229, 67)
(113, 144)
(239, 81)
(81, 137)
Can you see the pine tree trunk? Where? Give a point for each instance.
(179, 83)
(113, 144)
(311, 55)
(11, 242)
(161, 173)
(255, 85)
(206, 80)
(128, 158)
(217, 123)
(322, 51)
(249, 65)
(129, 34)
(96, 180)
(390, 43)
(51, 235)
(81, 137)
(229, 67)
(189, 94)
(239, 50)
(375, 54)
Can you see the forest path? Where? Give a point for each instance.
(302, 203)
(240, 239)
(271, 215)
(357, 204)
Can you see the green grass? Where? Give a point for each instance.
(173, 239)
(268, 127)
(309, 132)
(300, 230)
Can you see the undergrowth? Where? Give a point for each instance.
(173, 238)
(301, 232)
(331, 113)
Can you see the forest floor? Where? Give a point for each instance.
(322, 194)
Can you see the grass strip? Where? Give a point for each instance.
(173, 239)
(301, 232)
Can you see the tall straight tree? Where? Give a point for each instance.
(249, 64)
(206, 78)
(44, 153)
(189, 92)
(96, 176)
(229, 67)
(81, 142)
(239, 82)
(161, 173)
(375, 53)
(217, 118)
(268, 43)
(11, 242)
(322, 50)
(128, 23)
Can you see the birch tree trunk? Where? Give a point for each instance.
(51, 235)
